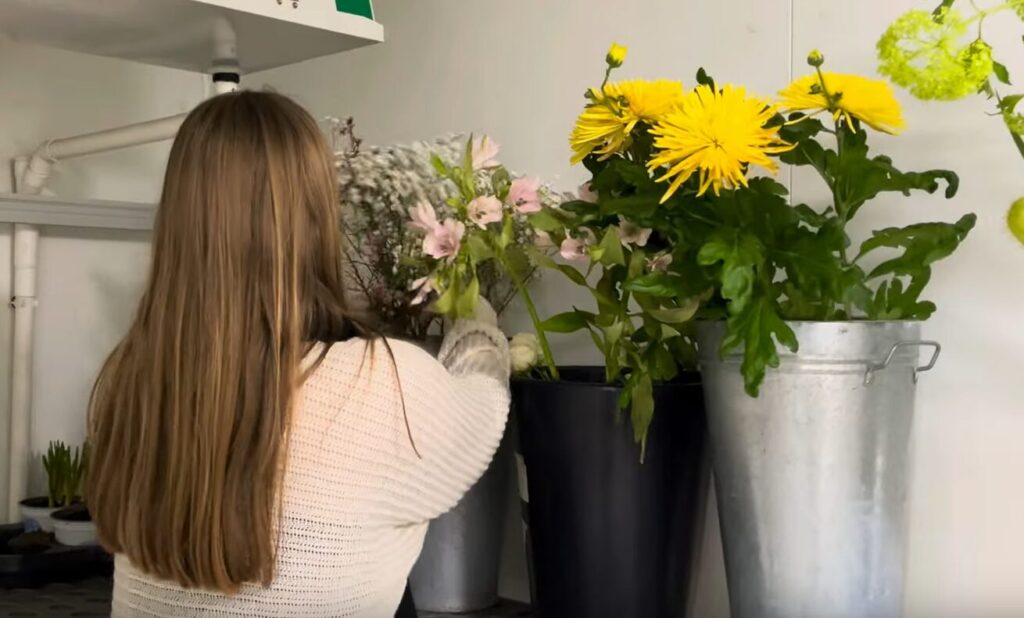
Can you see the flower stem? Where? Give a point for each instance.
(542, 338)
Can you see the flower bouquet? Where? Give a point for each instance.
(384, 255)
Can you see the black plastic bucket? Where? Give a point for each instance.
(609, 536)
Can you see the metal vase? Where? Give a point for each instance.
(812, 475)
(457, 571)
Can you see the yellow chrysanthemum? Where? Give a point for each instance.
(869, 100)
(605, 125)
(717, 134)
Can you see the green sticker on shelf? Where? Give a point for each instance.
(363, 8)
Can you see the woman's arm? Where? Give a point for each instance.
(456, 407)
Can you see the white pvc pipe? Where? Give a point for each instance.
(26, 242)
(32, 178)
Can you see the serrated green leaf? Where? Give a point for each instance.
(740, 254)
(757, 328)
(1009, 103)
(923, 245)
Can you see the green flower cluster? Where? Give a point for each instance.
(1018, 7)
(924, 53)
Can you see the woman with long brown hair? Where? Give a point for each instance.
(254, 452)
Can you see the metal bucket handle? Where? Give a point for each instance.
(873, 367)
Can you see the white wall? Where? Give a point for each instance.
(88, 280)
(517, 71)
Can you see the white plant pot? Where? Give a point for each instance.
(74, 532)
(40, 515)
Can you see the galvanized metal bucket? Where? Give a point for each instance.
(457, 572)
(812, 476)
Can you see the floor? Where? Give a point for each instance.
(91, 598)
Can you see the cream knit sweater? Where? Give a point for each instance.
(356, 498)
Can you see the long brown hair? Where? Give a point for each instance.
(190, 413)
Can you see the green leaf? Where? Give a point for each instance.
(467, 158)
(507, 232)
(478, 248)
(611, 249)
(800, 127)
(677, 315)
(1009, 103)
(945, 4)
(1001, 72)
(613, 333)
(635, 206)
(465, 305)
(923, 244)
(439, 165)
(500, 183)
(660, 285)
(546, 262)
(740, 253)
(445, 303)
(642, 411)
(757, 328)
(568, 322)
(663, 364)
(546, 221)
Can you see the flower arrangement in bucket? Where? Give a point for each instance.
(937, 56)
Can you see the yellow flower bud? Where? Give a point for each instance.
(815, 58)
(1015, 219)
(616, 54)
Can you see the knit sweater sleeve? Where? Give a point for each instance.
(456, 407)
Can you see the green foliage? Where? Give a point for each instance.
(65, 470)
(772, 262)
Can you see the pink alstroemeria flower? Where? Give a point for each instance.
(423, 287)
(423, 218)
(444, 240)
(659, 263)
(576, 248)
(484, 209)
(524, 195)
(542, 240)
(484, 153)
(632, 234)
(586, 194)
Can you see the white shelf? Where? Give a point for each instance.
(178, 33)
(38, 210)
